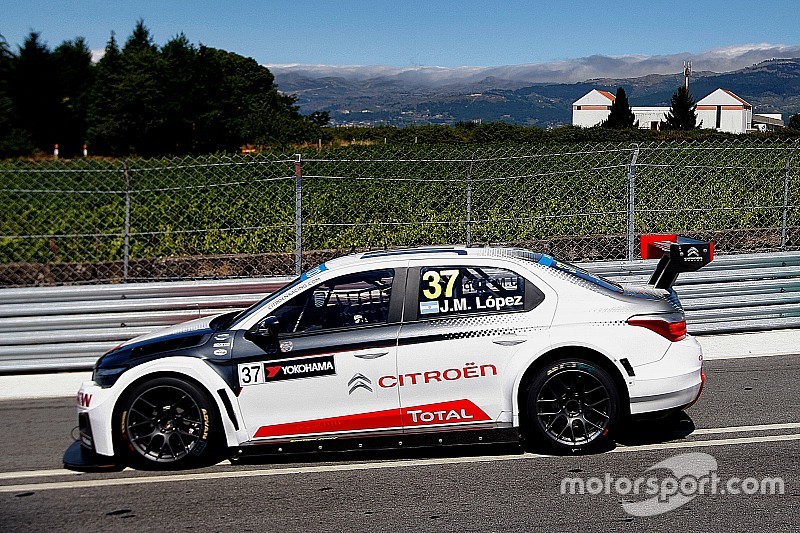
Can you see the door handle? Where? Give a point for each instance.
(373, 355)
(509, 340)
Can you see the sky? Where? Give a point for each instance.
(408, 33)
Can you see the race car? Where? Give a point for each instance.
(400, 348)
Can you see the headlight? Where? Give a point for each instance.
(106, 377)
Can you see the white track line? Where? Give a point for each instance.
(37, 473)
(744, 429)
(268, 472)
(22, 474)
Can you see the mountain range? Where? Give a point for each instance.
(438, 95)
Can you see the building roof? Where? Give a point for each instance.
(772, 119)
(722, 97)
(596, 97)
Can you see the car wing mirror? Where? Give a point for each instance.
(266, 329)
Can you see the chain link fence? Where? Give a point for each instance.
(89, 221)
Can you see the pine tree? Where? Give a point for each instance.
(183, 99)
(104, 113)
(73, 61)
(14, 139)
(620, 116)
(682, 113)
(142, 94)
(35, 92)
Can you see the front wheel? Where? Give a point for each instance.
(166, 422)
(572, 406)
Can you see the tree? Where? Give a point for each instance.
(182, 99)
(682, 113)
(13, 139)
(36, 93)
(104, 111)
(621, 115)
(320, 118)
(143, 99)
(141, 92)
(227, 83)
(794, 121)
(73, 62)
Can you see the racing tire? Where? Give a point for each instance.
(167, 423)
(572, 406)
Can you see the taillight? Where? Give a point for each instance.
(671, 326)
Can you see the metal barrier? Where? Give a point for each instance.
(68, 328)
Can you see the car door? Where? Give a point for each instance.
(463, 323)
(316, 371)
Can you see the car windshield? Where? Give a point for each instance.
(227, 320)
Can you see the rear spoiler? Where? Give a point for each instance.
(678, 254)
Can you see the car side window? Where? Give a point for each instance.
(350, 300)
(445, 291)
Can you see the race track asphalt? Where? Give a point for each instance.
(748, 421)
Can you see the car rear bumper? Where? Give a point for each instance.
(674, 381)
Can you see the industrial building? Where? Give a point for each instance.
(721, 110)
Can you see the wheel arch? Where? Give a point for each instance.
(565, 352)
(220, 410)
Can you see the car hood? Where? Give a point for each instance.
(196, 326)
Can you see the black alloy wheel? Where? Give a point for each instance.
(572, 406)
(168, 422)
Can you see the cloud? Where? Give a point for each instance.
(724, 59)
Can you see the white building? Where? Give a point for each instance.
(724, 111)
(767, 121)
(721, 110)
(650, 118)
(592, 109)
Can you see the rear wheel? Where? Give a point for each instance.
(572, 406)
(167, 422)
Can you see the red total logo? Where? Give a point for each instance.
(459, 411)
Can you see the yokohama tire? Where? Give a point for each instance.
(166, 423)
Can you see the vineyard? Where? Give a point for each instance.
(225, 216)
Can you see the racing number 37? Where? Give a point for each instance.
(434, 280)
(249, 374)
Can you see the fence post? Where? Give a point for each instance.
(469, 200)
(786, 177)
(631, 234)
(298, 214)
(126, 249)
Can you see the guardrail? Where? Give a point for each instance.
(68, 328)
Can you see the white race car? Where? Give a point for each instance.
(402, 348)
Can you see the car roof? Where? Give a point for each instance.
(436, 252)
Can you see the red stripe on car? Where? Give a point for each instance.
(455, 412)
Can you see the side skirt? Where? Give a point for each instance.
(384, 442)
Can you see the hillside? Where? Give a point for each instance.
(771, 86)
